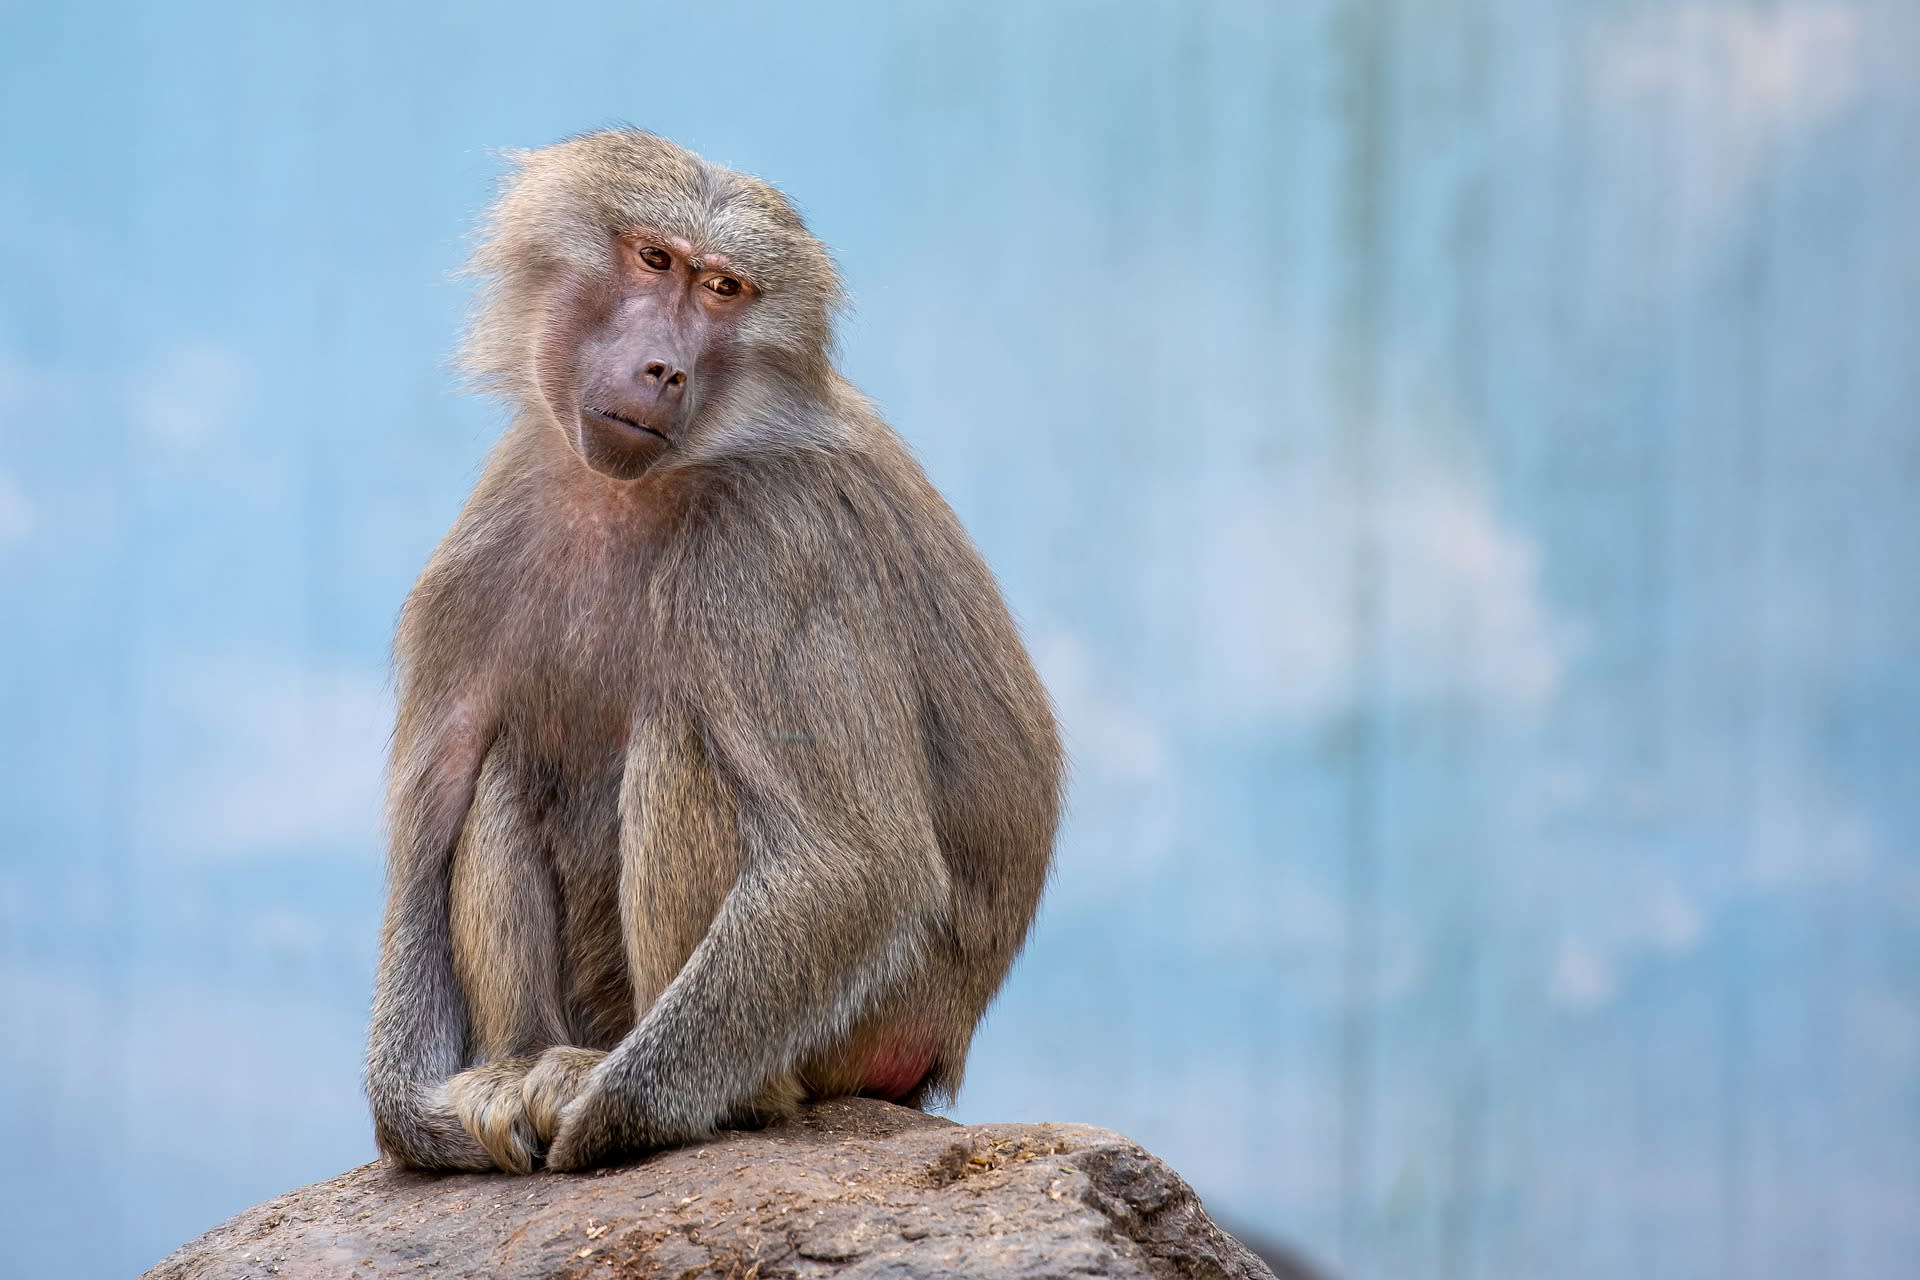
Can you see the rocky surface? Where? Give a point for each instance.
(853, 1188)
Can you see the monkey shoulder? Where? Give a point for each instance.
(473, 562)
(855, 530)
(853, 559)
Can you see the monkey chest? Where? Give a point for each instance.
(578, 658)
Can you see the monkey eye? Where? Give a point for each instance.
(725, 286)
(656, 258)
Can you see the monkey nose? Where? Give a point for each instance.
(664, 379)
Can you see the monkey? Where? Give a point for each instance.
(720, 778)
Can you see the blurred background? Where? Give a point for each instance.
(1457, 466)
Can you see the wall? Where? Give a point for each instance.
(1456, 465)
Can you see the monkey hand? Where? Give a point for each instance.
(602, 1125)
(488, 1101)
(554, 1081)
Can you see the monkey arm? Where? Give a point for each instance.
(417, 1036)
(818, 746)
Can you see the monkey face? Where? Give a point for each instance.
(632, 358)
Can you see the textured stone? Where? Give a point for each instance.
(852, 1188)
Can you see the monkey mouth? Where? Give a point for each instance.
(624, 421)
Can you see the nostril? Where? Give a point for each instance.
(653, 369)
(678, 379)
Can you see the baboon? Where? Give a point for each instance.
(720, 779)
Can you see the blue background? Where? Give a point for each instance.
(1456, 465)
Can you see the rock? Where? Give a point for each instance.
(852, 1188)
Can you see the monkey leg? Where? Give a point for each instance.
(505, 926)
(793, 947)
(679, 853)
(680, 856)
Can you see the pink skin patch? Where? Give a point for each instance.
(896, 1067)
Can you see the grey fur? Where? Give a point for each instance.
(712, 789)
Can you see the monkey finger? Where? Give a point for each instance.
(487, 1100)
(587, 1134)
(572, 1149)
(557, 1078)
